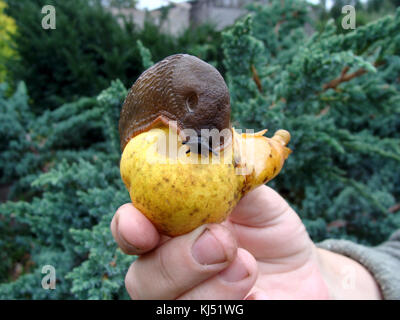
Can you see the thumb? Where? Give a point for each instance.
(259, 207)
(266, 226)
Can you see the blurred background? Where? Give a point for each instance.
(288, 64)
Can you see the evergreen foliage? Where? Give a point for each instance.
(88, 49)
(338, 95)
(367, 11)
(7, 28)
(73, 60)
(74, 189)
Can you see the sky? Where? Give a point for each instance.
(153, 4)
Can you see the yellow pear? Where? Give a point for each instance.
(179, 191)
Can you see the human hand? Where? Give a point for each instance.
(262, 251)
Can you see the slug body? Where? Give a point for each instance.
(180, 88)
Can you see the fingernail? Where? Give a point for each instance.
(124, 242)
(235, 272)
(127, 244)
(208, 250)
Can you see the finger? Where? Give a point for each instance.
(181, 263)
(264, 224)
(233, 283)
(132, 231)
(259, 207)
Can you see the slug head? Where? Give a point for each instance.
(180, 88)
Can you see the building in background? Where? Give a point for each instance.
(220, 12)
(176, 17)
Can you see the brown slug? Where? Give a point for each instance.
(180, 88)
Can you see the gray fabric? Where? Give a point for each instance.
(382, 261)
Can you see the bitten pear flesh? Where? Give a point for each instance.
(178, 192)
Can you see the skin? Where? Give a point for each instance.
(262, 251)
